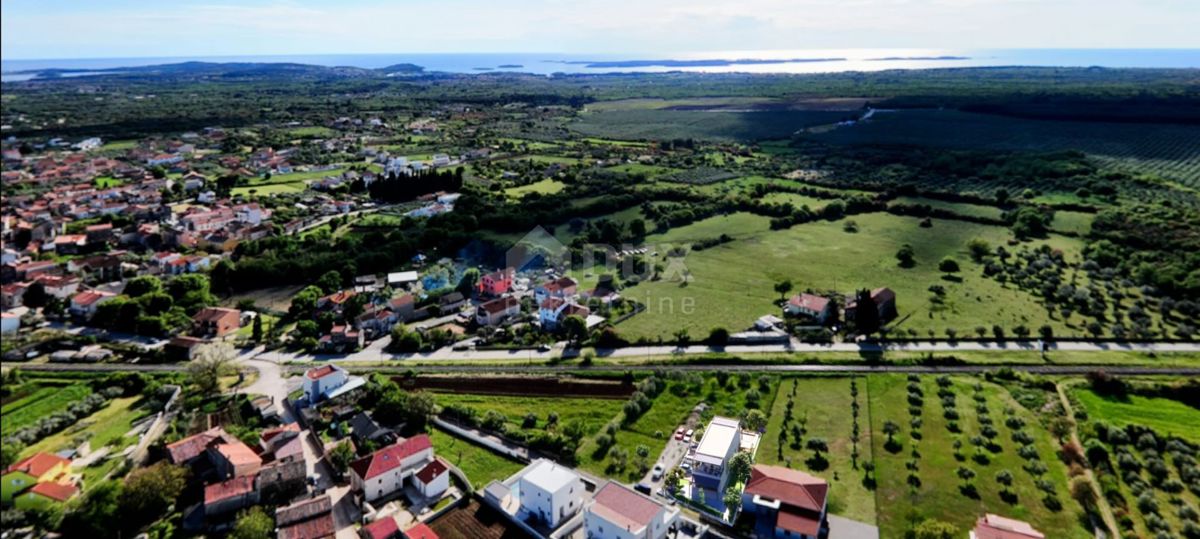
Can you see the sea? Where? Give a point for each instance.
(756, 61)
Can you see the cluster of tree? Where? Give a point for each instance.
(148, 308)
(408, 187)
(116, 508)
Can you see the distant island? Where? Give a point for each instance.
(510, 66)
(714, 62)
(903, 58)
(482, 68)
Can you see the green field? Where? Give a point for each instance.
(1165, 416)
(938, 495)
(311, 132)
(296, 177)
(107, 182)
(657, 124)
(594, 413)
(961, 208)
(731, 285)
(1172, 151)
(1072, 221)
(46, 400)
(107, 426)
(480, 465)
(547, 186)
(825, 405)
(270, 189)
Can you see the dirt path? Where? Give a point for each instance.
(1101, 502)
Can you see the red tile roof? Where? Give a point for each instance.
(624, 507)
(192, 446)
(810, 302)
(798, 521)
(214, 314)
(55, 491)
(992, 526)
(420, 531)
(500, 305)
(320, 372)
(384, 528)
(432, 471)
(791, 487)
(238, 453)
(224, 490)
(308, 519)
(390, 457)
(37, 464)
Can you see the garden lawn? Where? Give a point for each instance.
(938, 495)
(731, 285)
(480, 465)
(1165, 416)
(825, 402)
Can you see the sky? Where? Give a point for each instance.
(36, 29)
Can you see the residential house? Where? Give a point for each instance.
(230, 495)
(12, 295)
(497, 311)
(496, 283)
(189, 450)
(342, 337)
(786, 503)
(234, 459)
(885, 302)
(83, 305)
(433, 480)
(280, 482)
(549, 493)
(32, 470)
(306, 519)
(451, 302)
(59, 286)
(721, 442)
(420, 530)
(812, 306)
(382, 473)
(554, 310)
(336, 301)
(216, 322)
(403, 306)
(182, 347)
(562, 287)
(328, 381)
(617, 511)
(364, 429)
(991, 526)
(282, 444)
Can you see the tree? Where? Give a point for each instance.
(341, 456)
(948, 265)
(935, 529)
(755, 420)
(253, 523)
(151, 490)
(210, 362)
(421, 406)
(191, 291)
(9, 451)
(906, 256)
(304, 303)
(979, 249)
(142, 285)
(257, 330)
(1082, 491)
(1005, 479)
(739, 468)
(782, 288)
(890, 428)
(330, 282)
(682, 337)
(718, 336)
(35, 295)
(575, 328)
(965, 473)
(466, 285)
(732, 499)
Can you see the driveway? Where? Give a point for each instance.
(844, 528)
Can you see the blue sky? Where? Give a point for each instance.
(128, 28)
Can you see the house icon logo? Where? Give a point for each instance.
(537, 249)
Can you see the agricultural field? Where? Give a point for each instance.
(311, 132)
(593, 412)
(296, 177)
(547, 186)
(481, 465)
(41, 399)
(821, 405)
(1072, 221)
(1147, 467)
(731, 285)
(731, 126)
(270, 189)
(1170, 151)
(107, 426)
(1165, 416)
(931, 462)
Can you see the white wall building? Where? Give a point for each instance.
(383, 472)
(550, 493)
(721, 441)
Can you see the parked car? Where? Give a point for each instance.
(643, 488)
(679, 433)
(657, 472)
